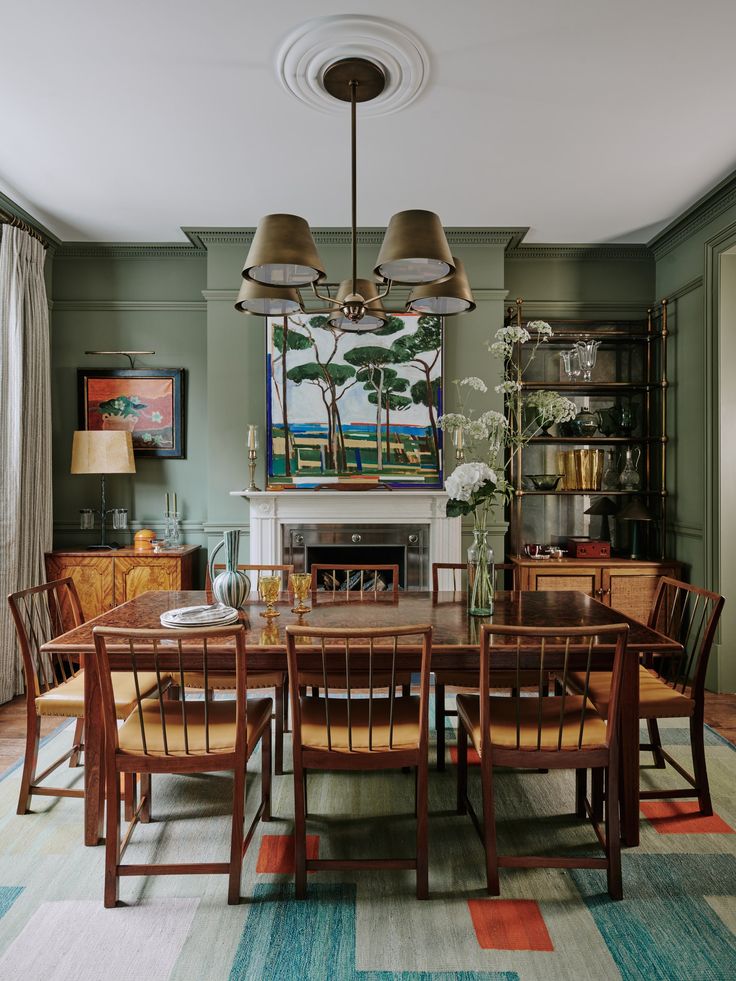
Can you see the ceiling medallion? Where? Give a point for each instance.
(312, 48)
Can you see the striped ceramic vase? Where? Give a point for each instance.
(232, 586)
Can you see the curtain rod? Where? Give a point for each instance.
(6, 218)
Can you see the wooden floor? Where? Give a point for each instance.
(720, 713)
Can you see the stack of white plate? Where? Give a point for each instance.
(216, 615)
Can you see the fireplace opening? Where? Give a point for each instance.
(385, 544)
(360, 555)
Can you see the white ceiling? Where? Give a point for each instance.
(588, 120)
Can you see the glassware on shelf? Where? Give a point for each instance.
(626, 419)
(86, 519)
(587, 354)
(119, 519)
(585, 423)
(629, 478)
(571, 363)
(300, 583)
(268, 589)
(609, 481)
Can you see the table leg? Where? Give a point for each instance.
(94, 751)
(629, 785)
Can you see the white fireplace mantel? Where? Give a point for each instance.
(271, 510)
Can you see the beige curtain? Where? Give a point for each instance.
(25, 434)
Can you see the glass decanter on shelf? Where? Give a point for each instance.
(629, 478)
(609, 480)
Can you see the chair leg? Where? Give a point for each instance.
(78, 744)
(33, 737)
(315, 691)
(581, 790)
(422, 806)
(130, 795)
(700, 770)
(462, 768)
(266, 771)
(613, 834)
(300, 833)
(439, 723)
(236, 837)
(493, 885)
(279, 727)
(286, 711)
(406, 690)
(145, 815)
(112, 839)
(596, 793)
(656, 744)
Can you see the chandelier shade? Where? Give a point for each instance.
(363, 301)
(451, 295)
(267, 301)
(283, 253)
(414, 249)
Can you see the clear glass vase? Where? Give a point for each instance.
(480, 575)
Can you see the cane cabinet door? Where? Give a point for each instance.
(134, 576)
(632, 590)
(92, 576)
(580, 579)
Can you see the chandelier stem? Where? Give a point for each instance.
(354, 179)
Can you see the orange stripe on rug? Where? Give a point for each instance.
(276, 855)
(680, 817)
(509, 924)
(473, 758)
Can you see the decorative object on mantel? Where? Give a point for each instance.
(231, 587)
(342, 411)
(475, 487)
(252, 456)
(146, 402)
(283, 256)
(103, 453)
(636, 511)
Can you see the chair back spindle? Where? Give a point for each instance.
(451, 576)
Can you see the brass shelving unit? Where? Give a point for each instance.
(642, 343)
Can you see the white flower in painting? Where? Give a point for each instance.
(542, 328)
(508, 388)
(156, 417)
(475, 383)
(466, 479)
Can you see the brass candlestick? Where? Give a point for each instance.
(252, 457)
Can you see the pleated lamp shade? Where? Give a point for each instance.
(452, 295)
(97, 451)
(414, 249)
(283, 253)
(375, 315)
(267, 301)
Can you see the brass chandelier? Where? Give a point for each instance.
(283, 257)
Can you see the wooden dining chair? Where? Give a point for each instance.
(553, 732)
(672, 687)
(347, 730)
(54, 683)
(256, 679)
(191, 735)
(363, 579)
(453, 573)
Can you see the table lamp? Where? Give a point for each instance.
(635, 511)
(605, 507)
(102, 452)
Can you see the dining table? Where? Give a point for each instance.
(455, 646)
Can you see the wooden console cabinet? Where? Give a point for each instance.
(107, 579)
(623, 584)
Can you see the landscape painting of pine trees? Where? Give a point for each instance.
(346, 407)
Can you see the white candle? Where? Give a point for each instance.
(167, 502)
(174, 503)
(252, 437)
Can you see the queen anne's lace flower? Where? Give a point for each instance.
(476, 383)
(513, 334)
(508, 388)
(542, 328)
(451, 421)
(500, 349)
(466, 479)
(551, 407)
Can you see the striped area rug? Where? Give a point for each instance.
(677, 920)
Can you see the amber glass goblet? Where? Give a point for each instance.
(300, 583)
(269, 588)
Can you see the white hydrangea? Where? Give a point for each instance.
(513, 334)
(466, 479)
(475, 383)
(508, 388)
(543, 329)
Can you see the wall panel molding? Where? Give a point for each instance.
(134, 306)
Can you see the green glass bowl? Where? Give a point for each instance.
(545, 481)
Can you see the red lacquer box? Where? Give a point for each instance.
(588, 548)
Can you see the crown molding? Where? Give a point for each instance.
(707, 208)
(129, 250)
(583, 253)
(202, 238)
(90, 306)
(11, 208)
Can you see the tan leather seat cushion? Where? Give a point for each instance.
(221, 727)
(405, 723)
(656, 699)
(336, 680)
(226, 682)
(68, 698)
(503, 722)
(499, 679)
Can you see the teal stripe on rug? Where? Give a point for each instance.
(659, 935)
(312, 940)
(8, 895)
